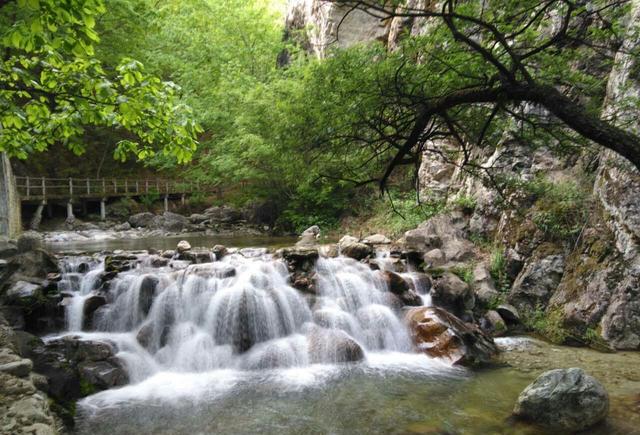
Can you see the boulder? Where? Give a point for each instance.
(493, 324)
(29, 241)
(183, 246)
(219, 251)
(567, 400)
(126, 226)
(174, 222)
(23, 290)
(434, 258)
(34, 264)
(484, 287)
(509, 313)
(537, 282)
(351, 247)
(223, 214)
(399, 287)
(452, 294)
(198, 218)
(377, 239)
(440, 334)
(147, 292)
(91, 304)
(20, 368)
(142, 220)
(458, 250)
(333, 346)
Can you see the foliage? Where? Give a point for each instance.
(549, 324)
(465, 203)
(52, 86)
(149, 200)
(561, 208)
(498, 269)
(464, 272)
(123, 208)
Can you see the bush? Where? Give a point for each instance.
(465, 273)
(123, 208)
(498, 270)
(560, 209)
(465, 203)
(549, 324)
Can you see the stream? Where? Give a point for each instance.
(230, 347)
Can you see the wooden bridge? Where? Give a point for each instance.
(43, 191)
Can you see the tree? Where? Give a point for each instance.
(52, 87)
(486, 64)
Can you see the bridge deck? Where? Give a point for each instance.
(41, 188)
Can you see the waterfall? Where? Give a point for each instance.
(239, 313)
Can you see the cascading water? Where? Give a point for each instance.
(236, 318)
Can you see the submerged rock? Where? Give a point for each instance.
(442, 335)
(564, 399)
(333, 346)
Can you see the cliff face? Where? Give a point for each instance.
(590, 283)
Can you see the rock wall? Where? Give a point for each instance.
(10, 221)
(592, 284)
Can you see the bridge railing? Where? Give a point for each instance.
(34, 188)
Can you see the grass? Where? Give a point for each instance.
(549, 324)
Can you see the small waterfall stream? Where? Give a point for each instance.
(202, 330)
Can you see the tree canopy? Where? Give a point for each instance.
(52, 87)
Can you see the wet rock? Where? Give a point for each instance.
(142, 220)
(157, 261)
(333, 346)
(219, 251)
(377, 239)
(29, 241)
(441, 334)
(537, 282)
(91, 304)
(183, 246)
(399, 287)
(147, 291)
(198, 218)
(565, 399)
(452, 294)
(350, 247)
(66, 361)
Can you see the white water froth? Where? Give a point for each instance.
(199, 331)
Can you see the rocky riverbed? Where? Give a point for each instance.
(120, 330)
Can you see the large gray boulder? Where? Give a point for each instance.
(351, 247)
(567, 400)
(453, 294)
(29, 241)
(142, 220)
(174, 222)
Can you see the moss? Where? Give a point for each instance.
(465, 273)
(87, 388)
(549, 324)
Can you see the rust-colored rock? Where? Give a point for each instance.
(442, 335)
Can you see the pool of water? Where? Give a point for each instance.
(387, 394)
(98, 243)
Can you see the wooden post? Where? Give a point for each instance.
(182, 198)
(166, 203)
(146, 186)
(70, 192)
(44, 189)
(166, 187)
(104, 186)
(28, 189)
(103, 209)
(137, 187)
(88, 187)
(115, 186)
(157, 186)
(126, 186)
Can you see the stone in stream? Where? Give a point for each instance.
(351, 247)
(567, 400)
(440, 334)
(183, 246)
(453, 294)
(333, 346)
(29, 241)
(399, 287)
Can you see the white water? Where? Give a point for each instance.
(208, 326)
